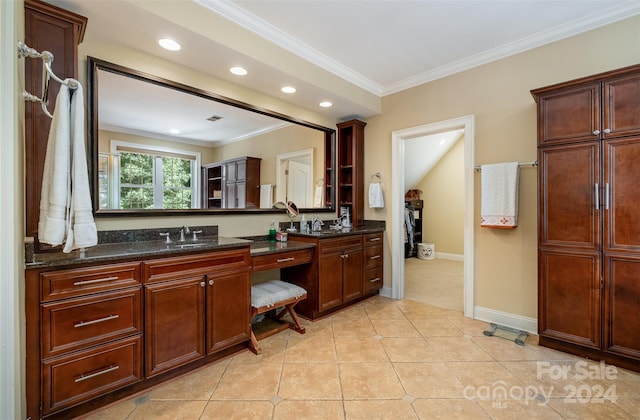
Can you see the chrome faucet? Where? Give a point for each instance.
(316, 224)
(183, 230)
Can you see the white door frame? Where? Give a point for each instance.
(398, 138)
(281, 178)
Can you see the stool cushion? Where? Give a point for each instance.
(274, 291)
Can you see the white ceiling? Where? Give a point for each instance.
(351, 52)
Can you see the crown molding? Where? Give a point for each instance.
(245, 19)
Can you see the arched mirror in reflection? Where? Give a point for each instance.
(158, 146)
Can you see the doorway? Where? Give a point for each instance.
(294, 179)
(399, 139)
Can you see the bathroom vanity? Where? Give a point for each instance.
(113, 320)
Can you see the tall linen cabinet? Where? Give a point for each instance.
(589, 216)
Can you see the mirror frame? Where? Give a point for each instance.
(95, 64)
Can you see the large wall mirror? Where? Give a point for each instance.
(160, 147)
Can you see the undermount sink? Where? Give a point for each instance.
(188, 245)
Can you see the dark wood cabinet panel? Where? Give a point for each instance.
(569, 115)
(78, 377)
(570, 284)
(174, 323)
(621, 301)
(569, 196)
(622, 106)
(622, 195)
(350, 170)
(352, 275)
(228, 317)
(232, 184)
(47, 28)
(330, 281)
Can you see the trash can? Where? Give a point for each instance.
(426, 251)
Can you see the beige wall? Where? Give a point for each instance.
(443, 194)
(505, 118)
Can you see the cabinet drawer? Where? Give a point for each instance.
(373, 239)
(80, 281)
(372, 256)
(76, 323)
(282, 259)
(372, 279)
(340, 244)
(171, 268)
(78, 377)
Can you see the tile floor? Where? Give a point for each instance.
(438, 282)
(389, 359)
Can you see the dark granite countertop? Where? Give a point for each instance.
(133, 250)
(331, 233)
(268, 247)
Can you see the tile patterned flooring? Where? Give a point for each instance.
(390, 359)
(438, 282)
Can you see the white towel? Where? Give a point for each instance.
(318, 196)
(376, 200)
(266, 196)
(499, 207)
(65, 202)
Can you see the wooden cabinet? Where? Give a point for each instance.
(96, 333)
(90, 334)
(373, 263)
(589, 216)
(47, 28)
(195, 305)
(342, 272)
(232, 184)
(350, 170)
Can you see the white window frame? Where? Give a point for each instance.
(196, 191)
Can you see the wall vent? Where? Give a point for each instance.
(214, 118)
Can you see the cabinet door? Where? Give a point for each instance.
(622, 195)
(174, 323)
(569, 115)
(621, 105)
(241, 195)
(228, 309)
(231, 195)
(352, 275)
(330, 281)
(568, 181)
(569, 297)
(241, 170)
(621, 299)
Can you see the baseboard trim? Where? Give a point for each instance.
(507, 319)
(385, 291)
(447, 256)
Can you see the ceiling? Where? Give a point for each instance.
(350, 52)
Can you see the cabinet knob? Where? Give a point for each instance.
(210, 282)
(596, 132)
(607, 130)
(201, 284)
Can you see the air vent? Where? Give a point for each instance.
(214, 118)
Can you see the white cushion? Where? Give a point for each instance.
(274, 291)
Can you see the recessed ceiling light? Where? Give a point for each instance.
(174, 131)
(169, 44)
(238, 71)
(288, 89)
(326, 104)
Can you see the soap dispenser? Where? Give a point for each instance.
(272, 232)
(304, 228)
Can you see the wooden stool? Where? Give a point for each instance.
(269, 296)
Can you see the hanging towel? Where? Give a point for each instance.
(266, 196)
(499, 207)
(318, 196)
(56, 176)
(65, 202)
(81, 228)
(376, 200)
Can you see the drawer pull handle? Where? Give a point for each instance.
(375, 280)
(82, 283)
(375, 257)
(285, 259)
(374, 239)
(84, 377)
(95, 321)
